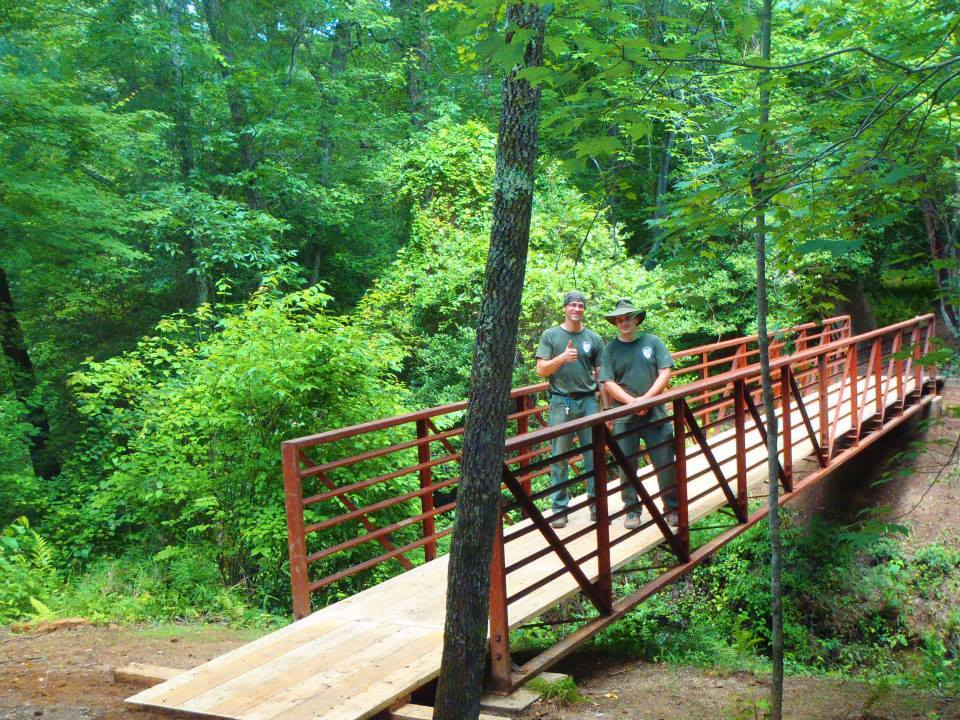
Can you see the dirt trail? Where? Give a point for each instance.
(648, 691)
(66, 675)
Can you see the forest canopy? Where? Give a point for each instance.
(225, 224)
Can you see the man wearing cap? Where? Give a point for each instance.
(569, 354)
(637, 365)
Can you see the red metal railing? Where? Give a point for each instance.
(365, 495)
(830, 402)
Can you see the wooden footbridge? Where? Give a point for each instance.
(370, 510)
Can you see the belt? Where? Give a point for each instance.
(574, 395)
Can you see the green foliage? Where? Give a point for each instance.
(178, 584)
(563, 692)
(185, 433)
(940, 652)
(27, 574)
(430, 294)
(853, 604)
(147, 169)
(21, 493)
(226, 241)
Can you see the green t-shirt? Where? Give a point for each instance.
(573, 377)
(634, 366)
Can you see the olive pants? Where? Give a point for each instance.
(653, 435)
(563, 409)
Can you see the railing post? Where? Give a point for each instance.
(802, 342)
(680, 464)
(739, 420)
(296, 537)
(604, 572)
(912, 360)
(500, 667)
(877, 353)
(898, 370)
(522, 427)
(931, 369)
(774, 353)
(853, 363)
(823, 406)
(915, 362)
(426, 500)
(786, 422)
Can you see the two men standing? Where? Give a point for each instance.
(634, 365)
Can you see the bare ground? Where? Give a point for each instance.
(649, 691)
(66, 674)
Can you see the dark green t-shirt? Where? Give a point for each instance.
(634, 366)
(573, 377)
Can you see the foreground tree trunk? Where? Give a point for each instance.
(758, 190)
(468, 581)
(45, 463)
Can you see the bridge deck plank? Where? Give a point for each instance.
(356, 658)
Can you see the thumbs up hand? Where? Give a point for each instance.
(570, 353)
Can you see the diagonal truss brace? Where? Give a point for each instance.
(758, 421)
(536, 517)
(630, 471)
(821, 455)
(698, 435)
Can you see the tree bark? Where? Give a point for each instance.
(235, 100)
(943, 253)
(758, 190)
(415, 43)
(663, 174)
(468, 582)
(45, 463)
(174, 81)
(856, 304)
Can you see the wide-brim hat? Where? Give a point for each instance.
(625, 307)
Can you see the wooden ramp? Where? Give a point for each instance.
(362, 655)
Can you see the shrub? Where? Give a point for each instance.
(27, 574)
(182, 449)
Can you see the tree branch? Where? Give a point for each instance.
(810, 61)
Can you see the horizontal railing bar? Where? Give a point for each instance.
(671, 394)
(548, 578)
(363, 484)
(378, 452)
(385, 530)
(547, 550)
(373, 562)
(527, 390)
(375, 507)
(733, 342)
(645, 568)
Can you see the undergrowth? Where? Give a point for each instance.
(180, 584)
(856, 603)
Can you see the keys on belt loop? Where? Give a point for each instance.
(566, 406)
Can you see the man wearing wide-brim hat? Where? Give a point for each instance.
(637, 365)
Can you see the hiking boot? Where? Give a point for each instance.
(632, 522)
(672, 518)
(560, 521)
